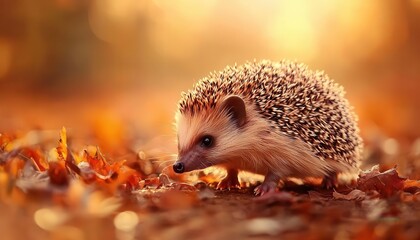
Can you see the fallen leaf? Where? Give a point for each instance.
(386, 183)
(164, 179)
(353, 195)
(58, 173)
(32, 179)
(317, 196)
(150, 183)
(62, 145)
(35, 154)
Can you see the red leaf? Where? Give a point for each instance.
(58, 173)
(386, 183)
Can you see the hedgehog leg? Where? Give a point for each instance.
(330, 181)
(269, 184)
(230, 181)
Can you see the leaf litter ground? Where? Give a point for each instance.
(66, 193)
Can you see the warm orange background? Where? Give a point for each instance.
(115, 69)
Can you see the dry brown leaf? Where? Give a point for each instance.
(386, 183)
(353, 195)
(317, 196)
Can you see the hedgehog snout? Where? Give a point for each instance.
(191, 160)
(179, 167)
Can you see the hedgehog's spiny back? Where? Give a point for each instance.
(298, 102)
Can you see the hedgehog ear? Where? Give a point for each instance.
(235, 106)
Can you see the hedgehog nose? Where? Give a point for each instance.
(179, 167)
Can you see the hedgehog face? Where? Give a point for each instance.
(206, 137)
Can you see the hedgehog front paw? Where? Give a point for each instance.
(269, 184)
(230, 181)
(265, 188)
(330, 181)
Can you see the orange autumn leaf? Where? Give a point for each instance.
(117, 167)
(62, 145)
(94, 168)
(133, 181)
(37, 158)
(97, 162)
(126, 176)
(153, 182)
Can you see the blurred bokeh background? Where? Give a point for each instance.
(114, 70)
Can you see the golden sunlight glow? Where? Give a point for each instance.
(126, 221)
(294, 31)
(49, 218)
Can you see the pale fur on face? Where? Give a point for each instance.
(256, 147)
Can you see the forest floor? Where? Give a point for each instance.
(64, 194)
(108, 185)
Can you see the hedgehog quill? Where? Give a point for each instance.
(278, 119)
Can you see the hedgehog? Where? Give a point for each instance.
(277, 119)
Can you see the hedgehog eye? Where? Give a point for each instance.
(207, 141)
